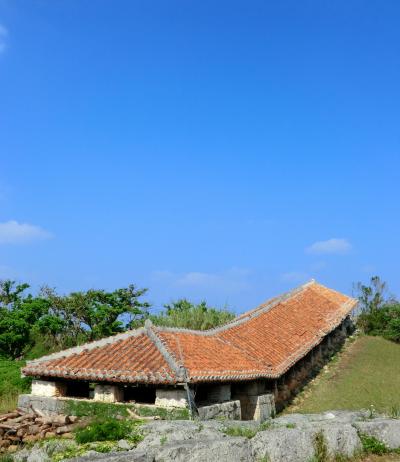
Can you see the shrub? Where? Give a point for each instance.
(107, 430)
(384, 321)
(373, 446)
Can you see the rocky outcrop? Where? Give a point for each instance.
(290, 438)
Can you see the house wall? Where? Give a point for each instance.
(287, 386)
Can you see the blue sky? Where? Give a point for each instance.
(225, 151)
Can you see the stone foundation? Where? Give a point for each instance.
(255, 403)
(108, 393)
(229, 410)
(171, 398)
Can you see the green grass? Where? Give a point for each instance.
(95, 409)
(164, 414)
(365, 374)
(241, 431)
(109, 430)
(11, 384)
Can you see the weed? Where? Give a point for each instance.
(6, 458)
(320, 448)
(265, 425)
(107, 430)
(371, 412)
(371, 445)
(263, 459)
(200, 427)
(241, 431)
(395, 412)
(163, 440)
(290, 425)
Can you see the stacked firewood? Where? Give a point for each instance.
(19, 427)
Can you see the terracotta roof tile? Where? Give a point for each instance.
(263, 342)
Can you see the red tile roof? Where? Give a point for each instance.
(264, 342)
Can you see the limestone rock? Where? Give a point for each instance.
(283, 445)
(385, 430)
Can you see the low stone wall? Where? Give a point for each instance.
(48, 405)
(229, 410)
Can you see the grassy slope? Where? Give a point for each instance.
(11, 384)
(366, 373)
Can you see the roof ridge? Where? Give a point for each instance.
(88, 346)
(161, 345)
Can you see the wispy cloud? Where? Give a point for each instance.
(231, 280)
(12, 232)
(330, 246)
(3, 38)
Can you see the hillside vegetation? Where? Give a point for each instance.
(11, 384)
(365, 375)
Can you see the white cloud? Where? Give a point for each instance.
(3, 37)
(231, 280)
(12, 232)
(330, 246)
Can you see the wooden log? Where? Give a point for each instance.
(68, 436)
(70, 427)
(9, 415)
(23, 417)
(34, 429)
(22, 431)
(44, 420)
(7, 426)
(14, 438)
(38, 412)
(4, 443)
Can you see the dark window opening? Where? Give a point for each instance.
(77, 390)
(146, 395)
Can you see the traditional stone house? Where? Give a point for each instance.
(243, 369)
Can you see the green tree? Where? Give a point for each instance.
(374, 296)
(18, 313)
(380, 312)
(183, 313)
(93, 314)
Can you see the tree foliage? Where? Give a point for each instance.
(53, 321)
(380, 313)
(183, 313)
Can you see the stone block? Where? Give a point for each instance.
(171, 398)
(108, 393)
(260, 408)
(229, 410)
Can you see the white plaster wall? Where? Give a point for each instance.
(44, 388)
(176, 397)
